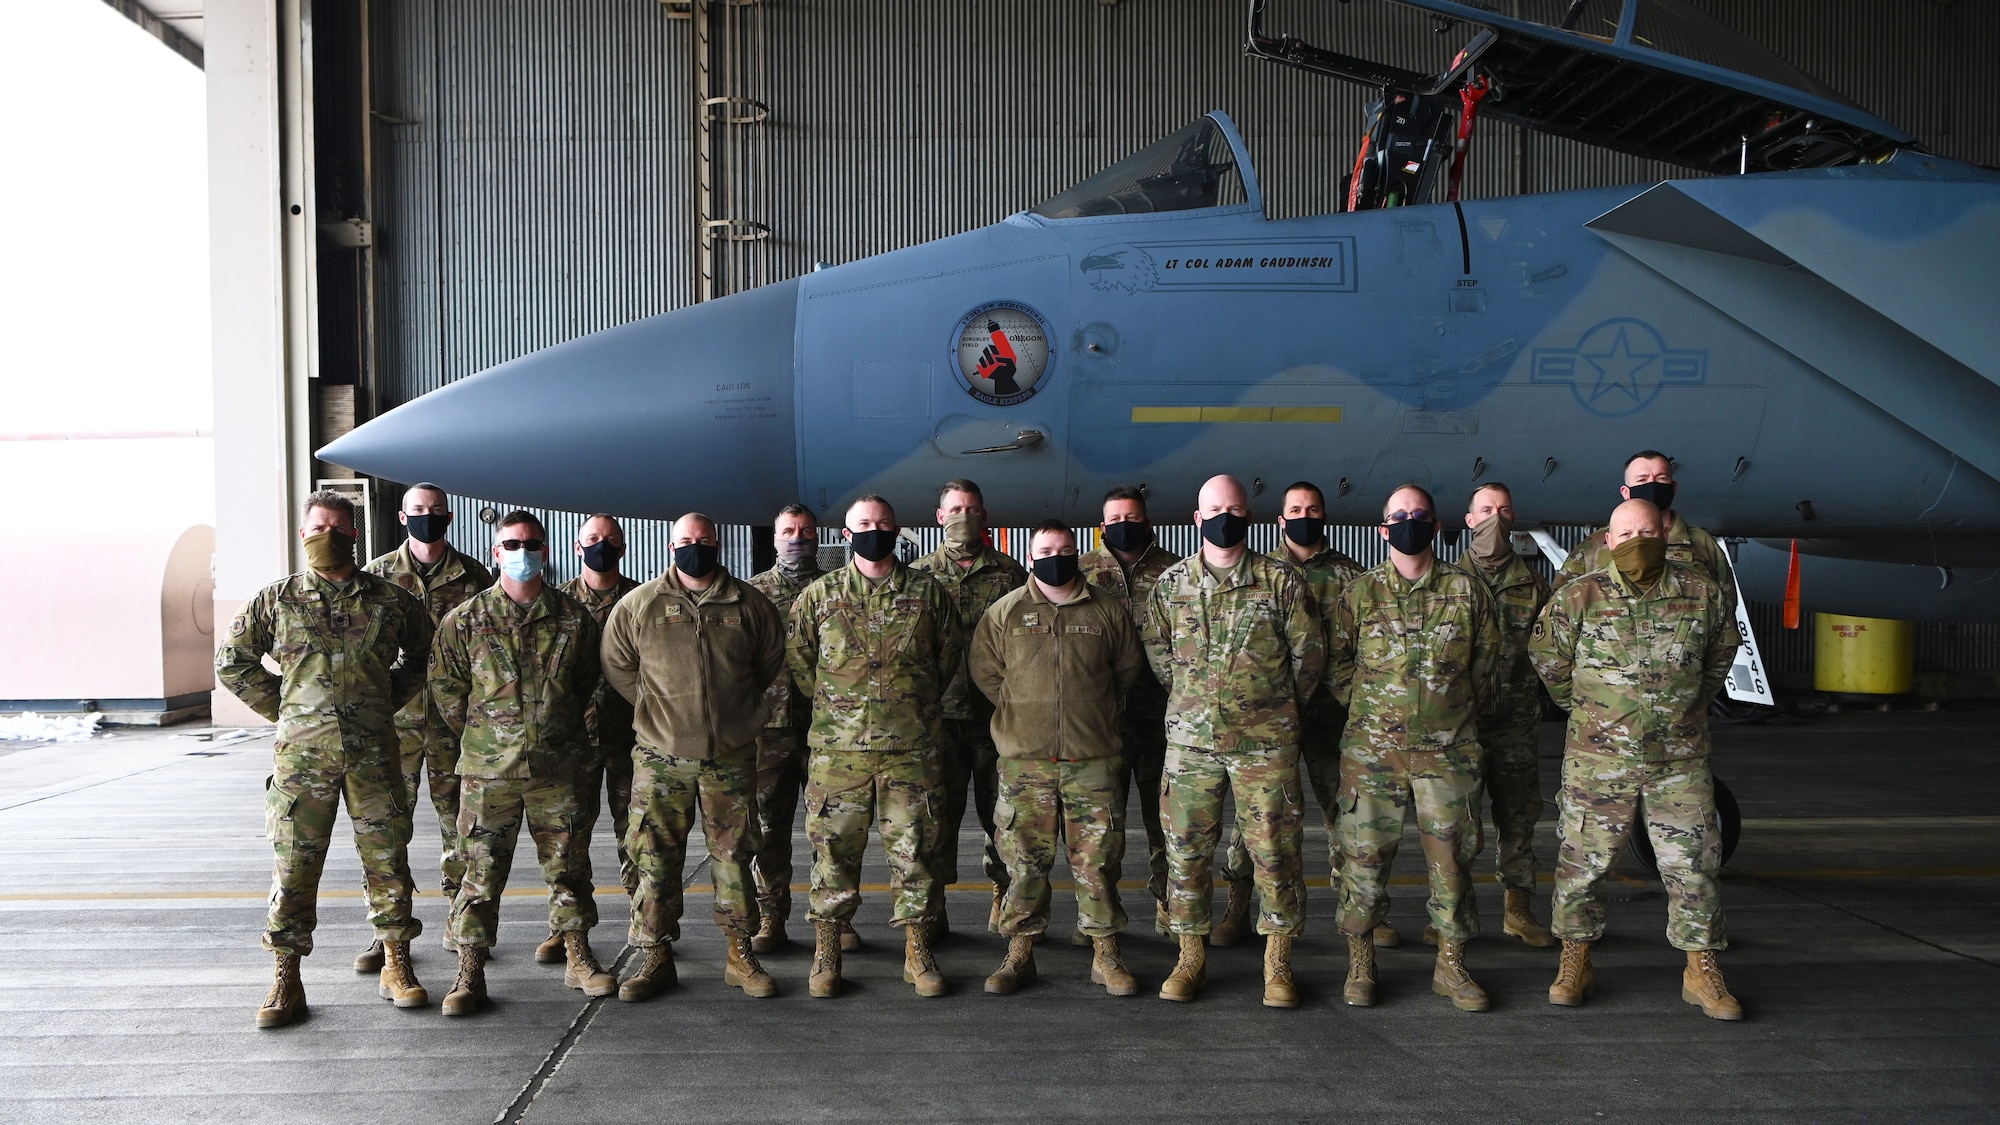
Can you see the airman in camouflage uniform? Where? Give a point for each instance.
(1637, 652)
(1510, 730)
(1649, 476)
(873, 645)
(1327, 573)
(1056, 658)
(976, 576)
(1127, 561)
(1414, 655)
(335, 633)
(781, 749)
(694, 650)
(605, 777)
(441, 576)
(511, 673)
(1237, 639)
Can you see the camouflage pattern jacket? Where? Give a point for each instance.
(1238, 658)
(789, 707)
(1327, 574)
(1057, 674)
(339, 680)
(1637, 671)
(874, 658)
(1518, 597)
(456, 577)
(608, 718)
(695, 664)
(973, 591)
(1134, 586)
(1415, 663)
(1686, 544)
(511, 683)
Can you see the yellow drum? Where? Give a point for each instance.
(1863, 655)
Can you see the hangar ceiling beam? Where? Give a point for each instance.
(176, 40)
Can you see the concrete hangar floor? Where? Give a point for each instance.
(1864, 913)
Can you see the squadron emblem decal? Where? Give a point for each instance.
(1001, 352)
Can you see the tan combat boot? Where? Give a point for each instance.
(468, 991)
(828, 940)
(551, 951)
(1450, 979)
(1235, 923)
(369, 960)
(1360, 988)
(849, 940)
(1385, 937)
(1108, 968)
(287, 1001)
(399, 980)
(1190, 972)
(740, 969)
(584, 972)
(1279, 989)
(919, 967)
(1160, 919)
(1575, 979)
(1430, 934)
(655, 973)
(771, 935)
(1018, 969)
(1701, 983)
(1519, 921)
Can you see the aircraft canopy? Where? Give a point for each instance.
(1193, 168)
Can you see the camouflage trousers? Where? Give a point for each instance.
(967, 771)
(781, 776)
(1377, 788)
(1603, 797)
(438, 759)
(666, 794)
(1041, 802)
(609, 782)
(301, 799)
(1319, 754)
(1145, 741)
(1264, 783)
(491, 814)
(898, 792)
(1514, 780)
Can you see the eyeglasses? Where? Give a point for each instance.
(1419, 515)
(522, 544)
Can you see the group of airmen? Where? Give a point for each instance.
(896, 694)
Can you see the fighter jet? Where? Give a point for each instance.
(1804, 327)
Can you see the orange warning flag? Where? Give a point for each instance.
(1792, 589)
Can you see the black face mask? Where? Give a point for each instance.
(1128, 536)
(1056, 570)
(603, 555)
(1412, 537)
(1225, 530)
(429, 528)
(1306, 531)
(696, 560)
(873, 545)
(1659, 492)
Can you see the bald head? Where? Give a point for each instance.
(1222, 494)
(1634, 519)
(695, 528)
(871, 513)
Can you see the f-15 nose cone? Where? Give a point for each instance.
(689, 410)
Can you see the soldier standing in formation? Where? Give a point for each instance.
(1649, 476)
(1415, 649)
(781, 748)
(1237, 639)
(1127, 561)
(1057, 658)
(873, 645)
(350, 649)
(1509, 729)
(976, 576)
(606, 773)
(1637, 651)
(694, 650)
(441, 576)
(511, 673)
